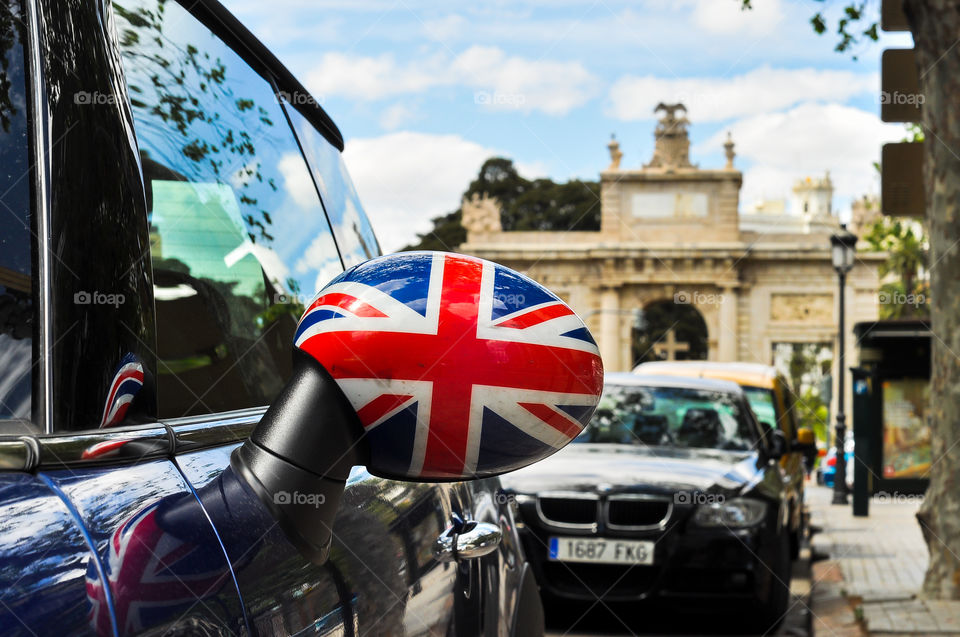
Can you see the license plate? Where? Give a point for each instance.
(600, 551)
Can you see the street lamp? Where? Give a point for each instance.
(843, 251)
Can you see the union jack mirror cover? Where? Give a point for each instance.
(457, 367)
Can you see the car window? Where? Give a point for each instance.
(17, 305)
(238, 237)
(789, 413)
(762, 402)
(353, 231)
(670, 416)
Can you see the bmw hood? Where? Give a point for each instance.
(611, 468)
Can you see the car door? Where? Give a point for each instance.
(236, 254)
(77, 536)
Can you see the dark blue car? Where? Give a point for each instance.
(171, 198)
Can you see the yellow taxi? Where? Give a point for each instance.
(772, 401)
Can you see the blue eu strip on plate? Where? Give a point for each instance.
(554, 547)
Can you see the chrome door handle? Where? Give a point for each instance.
(473, 540)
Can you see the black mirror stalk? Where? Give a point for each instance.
(300, 455)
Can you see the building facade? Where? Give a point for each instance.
(674, 249)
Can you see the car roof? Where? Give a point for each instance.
(752, 374)
(686, 382)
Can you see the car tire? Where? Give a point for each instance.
(776, 605)
(796, 540)
(529, 618)
(774, 608)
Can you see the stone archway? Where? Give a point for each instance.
(669, 330)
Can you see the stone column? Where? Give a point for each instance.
(727, 339)
(610, 329)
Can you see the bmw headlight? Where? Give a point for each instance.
(736, 513)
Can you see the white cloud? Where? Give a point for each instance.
(550, 86)
(502, 82)
(761, 90)
(806, 141)
(297, 181)
(405, 179)
(369, 78)
(722, 18)
(446, 28)
(395, 116)
(533, 169)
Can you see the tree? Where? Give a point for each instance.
(906, 246)
(539, 204)
(934, 25)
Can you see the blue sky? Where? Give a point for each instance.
(425, 91)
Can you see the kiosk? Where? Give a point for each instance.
(891, 390)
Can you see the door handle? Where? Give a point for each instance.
(472, 540)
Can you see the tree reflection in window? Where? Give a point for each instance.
(17, 308)
(237, 230)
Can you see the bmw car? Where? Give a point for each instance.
(673, 492)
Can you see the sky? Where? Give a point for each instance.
(424, 92)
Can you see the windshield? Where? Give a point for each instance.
(670, 417)
(762, 403)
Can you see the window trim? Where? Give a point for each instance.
(152, 441)
(42, 398)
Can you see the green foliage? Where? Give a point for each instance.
(538, 204)
(811, 411)
(807, 367)
(906, 244)
(853, 27)
(914, 133)
(446, 235)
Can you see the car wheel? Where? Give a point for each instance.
(775, 607)
(529, 619)
(796, 540)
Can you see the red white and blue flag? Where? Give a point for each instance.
(126, 383)
(154, 576)
(455, 365)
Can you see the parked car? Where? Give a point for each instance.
(827, 469)
(173, 198)
(673, 492)
(772, 401)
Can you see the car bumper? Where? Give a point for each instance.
(702, 563)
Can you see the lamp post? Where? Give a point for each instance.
(843, 251)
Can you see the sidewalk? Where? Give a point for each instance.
(873, 571)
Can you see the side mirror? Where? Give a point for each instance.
(805, 437)
(423, 366)
(778, 444)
